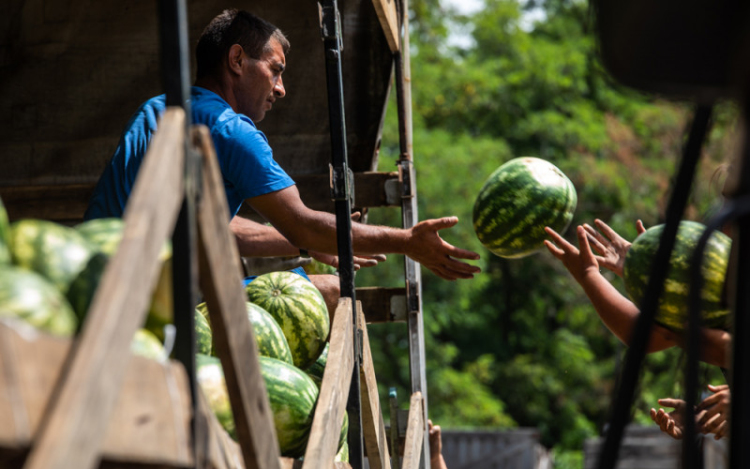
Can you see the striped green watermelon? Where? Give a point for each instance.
(203, 335)
(106, 234)
(517, 201)
(28, 296)
(57, 252)
(315, 267)
(146, 344)
(4, 235)
(268, 334)
(673, 305)
(315, 371)
(299, 308)
(210, 377)
(293, 396)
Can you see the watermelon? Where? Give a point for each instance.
(315, 371)
(210, 377)
(106, 234)
(315, 267)
(672, 311)
(4, 235)
(293, 396)
(28, 296)
(146, 344)
(56, 252)
(268, 334)
(299, 308)
(203, 336)
(81, 290)
(517, 201)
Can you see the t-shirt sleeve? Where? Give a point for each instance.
(246, 161)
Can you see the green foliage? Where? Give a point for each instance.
(520, 344)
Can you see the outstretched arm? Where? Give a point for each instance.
(616, 312)
(314, 230)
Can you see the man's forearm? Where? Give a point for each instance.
(259, 240)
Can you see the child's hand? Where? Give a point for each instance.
(610, 246)
(579, 263)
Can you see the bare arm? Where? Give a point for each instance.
(314, 230)
(259, 240)
(616, 312)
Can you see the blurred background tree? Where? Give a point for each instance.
(520, 345)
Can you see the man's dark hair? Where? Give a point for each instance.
(231, 27)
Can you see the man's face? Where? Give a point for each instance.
(261, 82)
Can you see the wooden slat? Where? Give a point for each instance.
(382, 304)
(414, 433)
(388, 17)
(233, 334)
(68, 202)
(334, 390)
(79, 409)
(373, 425)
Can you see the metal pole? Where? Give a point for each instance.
(341, 192)
(410, 217)
(176, 78)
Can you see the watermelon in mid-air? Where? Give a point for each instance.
(517, 201)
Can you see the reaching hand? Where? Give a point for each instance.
(671, 423)
(428, 248)
(610, 246)
(714, 412)
(579, 263)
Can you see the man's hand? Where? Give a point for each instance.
(671, 423)
(359, 261)
(610, 246)
(714, 412)
(579, 263)
(427, 247)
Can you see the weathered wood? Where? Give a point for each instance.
(414, 433)
(149, 423)
(373, 425)
(233, 334)
(382, 304)
(334, 390)
(68, 202)
(74, 426)
(388, 17)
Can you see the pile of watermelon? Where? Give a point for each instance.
(49, 273)
(291, 324)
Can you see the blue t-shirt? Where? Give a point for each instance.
(245, 158)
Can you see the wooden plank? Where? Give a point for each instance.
(65, 202)
(234, 339)
(373, 425)
(68, 202)
(334, 390)
(81, 405)
(386, 10)
(382, 304)
(150, 420)
(414, 432)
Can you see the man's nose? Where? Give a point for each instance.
(278, 89)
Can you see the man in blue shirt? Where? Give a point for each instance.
(240, 61)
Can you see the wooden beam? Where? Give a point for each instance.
(388, 16)
(414, 433)
(383, 304)
(373, 425)
(67, 203)
(79, 410)
(221, 283)
(334, 390)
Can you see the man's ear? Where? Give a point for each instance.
(235, 58)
